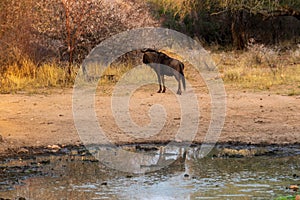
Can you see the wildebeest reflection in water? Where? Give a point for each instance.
(141, 160)
(163, 65)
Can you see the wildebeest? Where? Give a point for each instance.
(163, 65)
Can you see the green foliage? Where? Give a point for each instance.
(192, 18)
(226, 22)
(290, 197)
(257, 6)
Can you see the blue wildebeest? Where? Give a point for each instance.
(163, 65)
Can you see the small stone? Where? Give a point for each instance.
(74, 152)
(178, 140)
(22, 150)
(104, 183)
(54, 146)
(294, 187)
(258, 121)
(186, 175)
(295, 176)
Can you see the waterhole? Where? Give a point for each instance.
(228, 172)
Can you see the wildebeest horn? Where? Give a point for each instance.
(148, 50)
(144, 50)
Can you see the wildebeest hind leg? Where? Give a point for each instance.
(177, 77)
(159, 82)
(163, 83)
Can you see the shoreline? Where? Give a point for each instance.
(224, 150)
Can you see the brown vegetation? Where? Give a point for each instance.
(43, 42)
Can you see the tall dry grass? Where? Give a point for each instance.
(27, 76)
(261, 68)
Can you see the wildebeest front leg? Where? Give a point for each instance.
(177, 77)
(159, 82)
(163, 83)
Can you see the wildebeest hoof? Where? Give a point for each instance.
(163, 91)
(179, 92)
(159, 91)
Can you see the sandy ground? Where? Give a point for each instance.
(47, 119)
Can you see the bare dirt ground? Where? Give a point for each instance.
(47, 119)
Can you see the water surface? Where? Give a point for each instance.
(225, 174)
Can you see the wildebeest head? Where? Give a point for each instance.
(150, 56)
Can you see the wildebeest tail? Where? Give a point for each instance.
(181, 72)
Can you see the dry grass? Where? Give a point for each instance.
(261, 68)
(258, 69)
(26, 76)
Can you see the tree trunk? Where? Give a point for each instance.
(238, 30)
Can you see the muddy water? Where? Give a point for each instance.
(227, 173)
